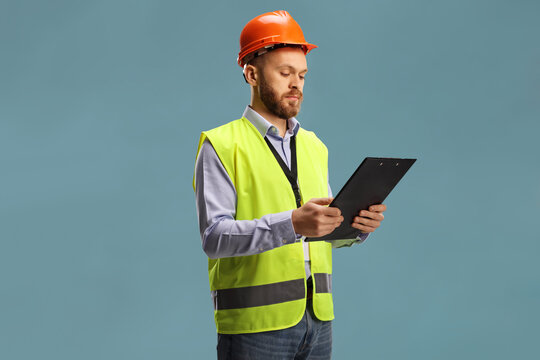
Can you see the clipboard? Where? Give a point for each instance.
(370, 184)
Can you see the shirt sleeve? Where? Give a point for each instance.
(346, 242)
(222, 235)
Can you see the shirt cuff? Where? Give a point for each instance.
(282, 228)
(361, 237)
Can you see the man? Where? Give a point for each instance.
(261, 186)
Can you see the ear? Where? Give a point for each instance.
(251, 75)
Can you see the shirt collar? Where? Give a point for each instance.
(264, 127)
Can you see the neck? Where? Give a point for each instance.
(279, 123)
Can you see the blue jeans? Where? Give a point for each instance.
(309, 339)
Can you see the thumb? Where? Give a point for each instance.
(321, 201)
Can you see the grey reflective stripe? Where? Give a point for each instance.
(323, 283)
(259, 295)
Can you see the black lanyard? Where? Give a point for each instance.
(292, 173)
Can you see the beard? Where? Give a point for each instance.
(279, 105)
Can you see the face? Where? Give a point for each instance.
(281, 81)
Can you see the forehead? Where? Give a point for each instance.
(287, 56)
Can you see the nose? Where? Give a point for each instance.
(295, 83)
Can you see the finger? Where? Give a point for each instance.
(327, 229)
(331, 220)
(372, 215)
(331, 211)
(366, 222)
(330, 227)
(377, 208)
(363, 228)
(322, 201)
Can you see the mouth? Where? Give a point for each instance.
(293, 97)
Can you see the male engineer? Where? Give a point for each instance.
(261, 185)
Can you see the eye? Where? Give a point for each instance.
(302, 77)
(284, 74)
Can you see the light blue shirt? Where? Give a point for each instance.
(221, 234)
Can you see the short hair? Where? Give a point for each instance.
(255, 57)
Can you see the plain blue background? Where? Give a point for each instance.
(101, 106)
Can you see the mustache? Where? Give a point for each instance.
(296, 93)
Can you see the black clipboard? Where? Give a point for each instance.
(370, 184)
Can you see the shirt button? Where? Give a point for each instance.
(284, 241)
(260, 249)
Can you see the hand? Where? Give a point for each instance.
(316, 219)
(368, 220)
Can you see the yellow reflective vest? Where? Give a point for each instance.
(267, 291)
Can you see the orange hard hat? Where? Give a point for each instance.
(269, 29)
